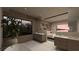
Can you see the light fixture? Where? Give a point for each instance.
(25, 8)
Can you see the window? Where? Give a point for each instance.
(62, 27)
(12, 25)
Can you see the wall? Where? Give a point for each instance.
(73, 18)
(54, 25)
(78, 26)
(43, 27)
(0, 28)
(34, 25)
(53, 28)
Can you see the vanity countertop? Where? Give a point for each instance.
(67, 37)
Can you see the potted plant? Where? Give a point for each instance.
(11, 29)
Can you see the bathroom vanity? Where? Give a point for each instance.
(69, 41)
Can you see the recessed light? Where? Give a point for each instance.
(25, 8)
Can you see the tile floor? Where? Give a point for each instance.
(33, 46)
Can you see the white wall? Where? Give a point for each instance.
(78, 26)
(0, 28)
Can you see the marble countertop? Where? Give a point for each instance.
(40, 33)
(68, 37)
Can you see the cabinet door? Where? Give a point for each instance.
(73, 45)
(60, 43)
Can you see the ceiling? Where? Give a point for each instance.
(43, 12)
